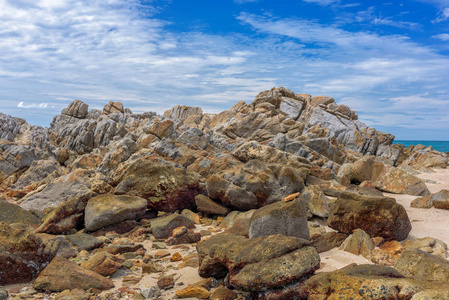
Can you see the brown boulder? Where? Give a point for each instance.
(62, 274)
(103, 263)
(207, 205)
(183, 235)
(377, 216)
(165, 187)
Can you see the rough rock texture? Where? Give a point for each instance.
(62, 274)
(58, 191)
(11, 213)
(372, 282)
(377, 216)
(103, 263)
(441, 199)
(427, 158)
(383, 177)
(207, 205)
(358, 243)
(260, 264)
(428, 244)
(104, 210)
(287, 218)
(183, 235)
(163, 227)
(165, 187)
(19, 254)
(316, 201)
(418, 263)
(77, 109)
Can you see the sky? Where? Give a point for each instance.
(387, 60)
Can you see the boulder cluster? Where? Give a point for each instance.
(81, 199)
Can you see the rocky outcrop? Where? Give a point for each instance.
(262, 264)
(383, 177)
(77, 109)
(12, 213)
(414, 262)
(377, 216)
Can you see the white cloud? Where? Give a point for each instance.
(322, 2)
(442, 36)
(443, 15)
(32, 105)
(244, 1)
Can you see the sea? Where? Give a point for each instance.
(442, 146)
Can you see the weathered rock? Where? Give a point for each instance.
(58, 192)
(422, 202)
(14, 158)
(428, 244)
(441, 199)
(11, 213)
(163, 227)
(377, 216)
(75, 294)
(329, 241)
(193, 292)
(358, 243)
(316, 201)
(259, 264)
(104, 210)
(414, 262)
(119, 249)
(387, 254)
(103, 263)
(62, 274)
(20, 257)
(427, 158)
(222, 293)
(77, 109)
(385, 178)
(166, 282)
(83, 241)
(361, 282)
(183, 235)
(207, 205)
(241, 223)
(287, 218)
(65, 216)
(166, 188)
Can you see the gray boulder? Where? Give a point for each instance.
(104, 210)
(163, 227)
(287, 218)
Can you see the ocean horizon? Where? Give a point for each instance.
(442, 146)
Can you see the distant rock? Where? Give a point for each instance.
(77, 109)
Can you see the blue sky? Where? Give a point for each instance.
(389, 60)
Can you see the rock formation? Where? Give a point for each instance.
(116, 179)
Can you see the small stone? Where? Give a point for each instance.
(193, 292)
(378, 240)
(131, 279)
(151, 267)
(291, 197)
(222, 293)
(129, 263)
(150, 293)
(159, 245)
(190, 260)
(176, 257)
(205, 232)
(161, 253)
(75, 294)
(166, 282)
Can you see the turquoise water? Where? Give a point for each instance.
(442, 146)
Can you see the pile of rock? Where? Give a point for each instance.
(107, 193)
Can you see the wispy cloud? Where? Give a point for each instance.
(32, 105)
(245, 1)
(442, 36)
(322, 2)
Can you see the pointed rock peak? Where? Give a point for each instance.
(77, 109)
(183, 112)
(115, 108)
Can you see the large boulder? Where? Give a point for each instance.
(65, 216)
(383, 177)
(316, 201)
(59, 191)
(62, 274)
(103, 263)
(21, 254)
(360, 282)
(377, 216)
(427, 158)
(166, 188)
(286, 218)
(14, 158)
(109, 209)
(262, 264)
(414, 262)
(12, 213)
(440, 199)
